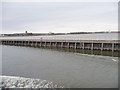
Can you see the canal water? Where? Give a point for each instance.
(69, 69)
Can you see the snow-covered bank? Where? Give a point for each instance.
(21, 82)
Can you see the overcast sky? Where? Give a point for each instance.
(44, 17)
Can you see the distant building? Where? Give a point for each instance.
(26, 32)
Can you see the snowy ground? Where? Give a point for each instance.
(21, 82)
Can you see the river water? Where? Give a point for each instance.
(69, 69)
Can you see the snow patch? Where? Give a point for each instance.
(21, 82)
(115, 60)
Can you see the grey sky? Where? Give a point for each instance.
(59, 16)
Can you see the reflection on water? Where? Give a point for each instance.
(91, 52)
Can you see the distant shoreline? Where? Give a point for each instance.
(39, 34)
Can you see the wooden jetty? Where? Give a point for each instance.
(107, 45)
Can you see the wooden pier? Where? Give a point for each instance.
(113, 45)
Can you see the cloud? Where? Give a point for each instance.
(59, 17)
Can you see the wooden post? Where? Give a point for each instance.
(36, 44)
(112, 47)
(83, 46)
(16, 43)
(25, 43)
(68, 45)
(75, 45)
(101, 46)
(45, 44)
(92, 46)
(41, 44)
(56, 44)
(28, 43)
(61, 44)
(50, 44)
(32, 44)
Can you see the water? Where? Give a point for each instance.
(90, 52)
(68, 69)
